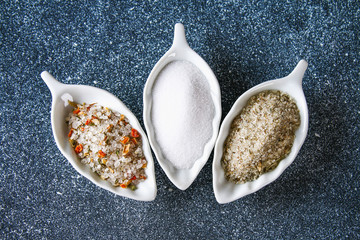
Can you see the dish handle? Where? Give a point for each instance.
(54, 85)
(179, 37)
(298, 73)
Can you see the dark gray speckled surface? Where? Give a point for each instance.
(114, 46)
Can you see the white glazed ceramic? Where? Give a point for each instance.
(61, 93)
(180, 50)
(226, 191)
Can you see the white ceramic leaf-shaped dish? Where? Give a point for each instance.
(226, 191)
(180, 51)
(61, 93)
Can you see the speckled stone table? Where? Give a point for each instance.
(114, 46)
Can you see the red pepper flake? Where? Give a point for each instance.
(133, 178)
(71, 132)
(142, 177)
(76, 111)
(126, 149)
(88, 108)
(124, 140)
(79, 148)
(101, 154)
(134, 141)
(144, 166)
(134, 133)
(82, 129)
(88, 121)
(110, 128)
(123, 185)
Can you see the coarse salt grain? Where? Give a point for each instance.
(260, 136)
(97, 143)
(182, 113)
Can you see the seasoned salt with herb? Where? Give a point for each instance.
(260, 136)
(105, 141)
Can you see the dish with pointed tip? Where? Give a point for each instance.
(61, 93)
(226, 191)
(180, 51)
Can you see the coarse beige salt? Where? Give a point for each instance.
(260, 136)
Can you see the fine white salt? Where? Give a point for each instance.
(182, 113)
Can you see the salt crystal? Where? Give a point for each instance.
(182, 113)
